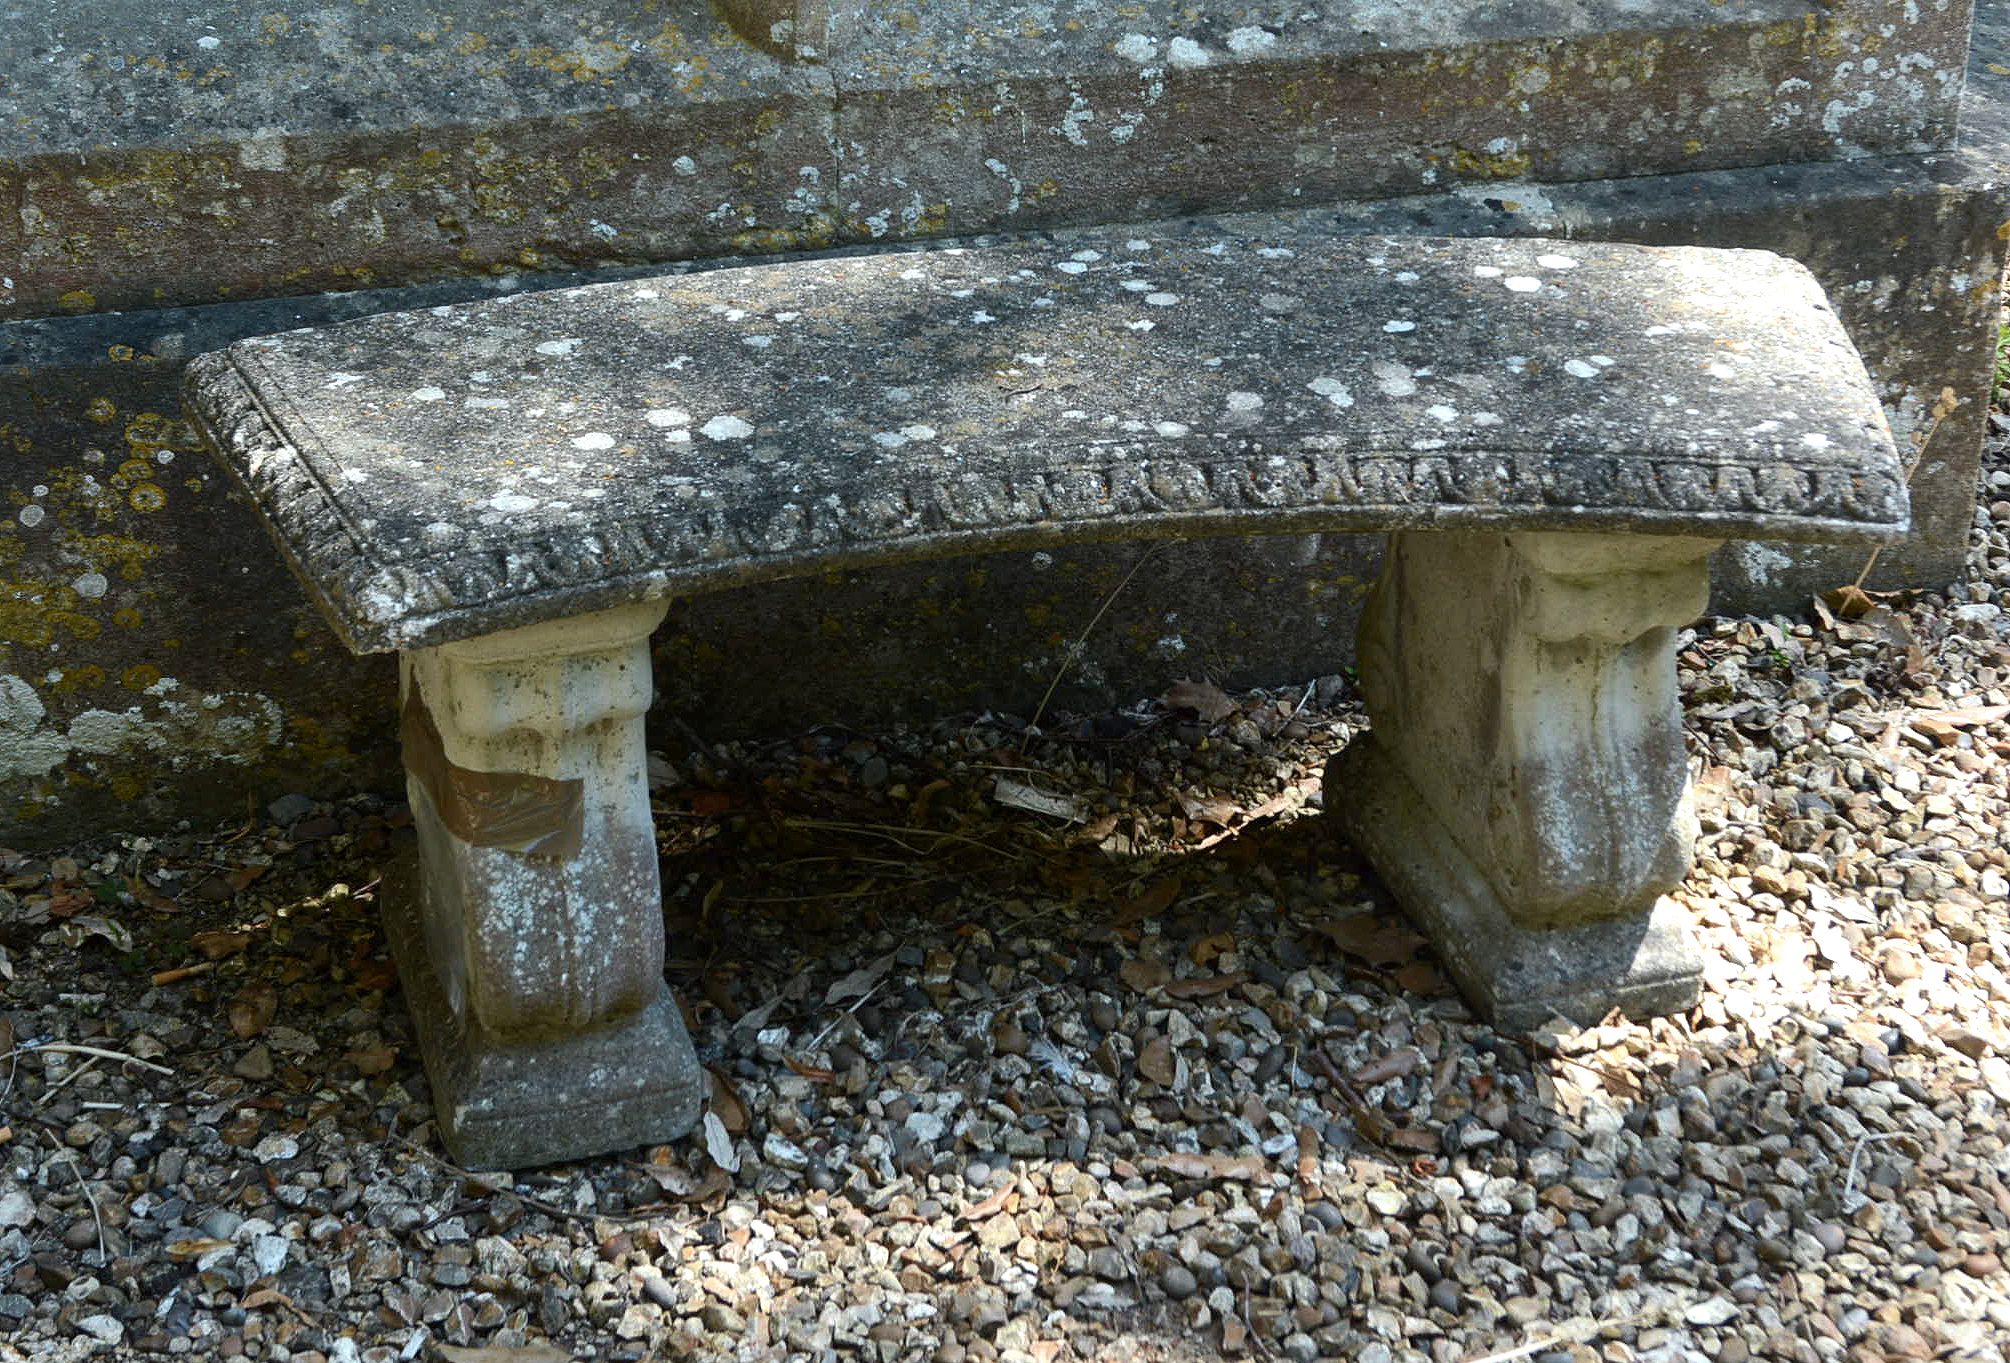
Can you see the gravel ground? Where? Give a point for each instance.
(1087, 1042)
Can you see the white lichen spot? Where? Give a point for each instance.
(1761, 562)
(31, 516)
(1140, 325)
(1172, 430)
(1243, 401)
(1139, 285)
(1250, 39)
(980, 317)
(341, 379)
(1556, 262)
(593, 440)
(1398, 325)
(1332, 390)
(1763, 428)
(1516, 363)
(664, 418)
(757, 342)
(1660, 331)
(428, 394)
(1603, 361)
(1486, 418)
(1395, 380)
(485, 404)
(1582, 369)
(1136, 47)
(1488, 271)
(1087, 256)
(890, 440)
(1277, 253)
(1161, 300)
(684, 165)
(1815, 440)
(1441, 412)
(1185, 52)
(918, 432)
(1137, 244)
(1521, 283)
(727, 427)
(1720, 370)
(509, 503)
(559, 348)
(1071, 267)
(209, 42)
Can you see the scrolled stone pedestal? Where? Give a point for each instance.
(531, 945)
(1523, 788)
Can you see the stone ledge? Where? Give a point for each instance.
(174, 163)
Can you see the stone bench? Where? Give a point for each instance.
(1555, 434)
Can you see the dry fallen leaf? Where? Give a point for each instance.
(75, 931)
(252, 1011)
(373, 1059)
(1143, 975)
(862, 981)
(1397, 1063)
(1208, 987)
(1209, 809)
(1016, 794)
(719, 1144)
(1203, 952)
(1205, 699)
(726, 1101)
(1379, 940)
(217, 945)
(1149, 902)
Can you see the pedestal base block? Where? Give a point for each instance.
(633, 1082)
(1517, 978)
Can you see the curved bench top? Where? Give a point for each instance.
(441, 474)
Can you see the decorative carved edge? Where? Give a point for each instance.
(1133, 490)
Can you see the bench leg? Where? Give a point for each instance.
(532, 947)
(1523, 787)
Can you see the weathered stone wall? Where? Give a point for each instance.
(156, 660)
(179, 153)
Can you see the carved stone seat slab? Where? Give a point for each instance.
(1556, 434)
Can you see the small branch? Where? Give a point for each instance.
(1849, 1179)
(1082, 639)
(70, 1048)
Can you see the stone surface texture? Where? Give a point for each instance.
(1524, 788)
(542, 1012)
(1524, 685)
(168, 152)
(445, 474)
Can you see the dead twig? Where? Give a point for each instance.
(1082, 639)
(73, 1048)
(1849, 1192)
